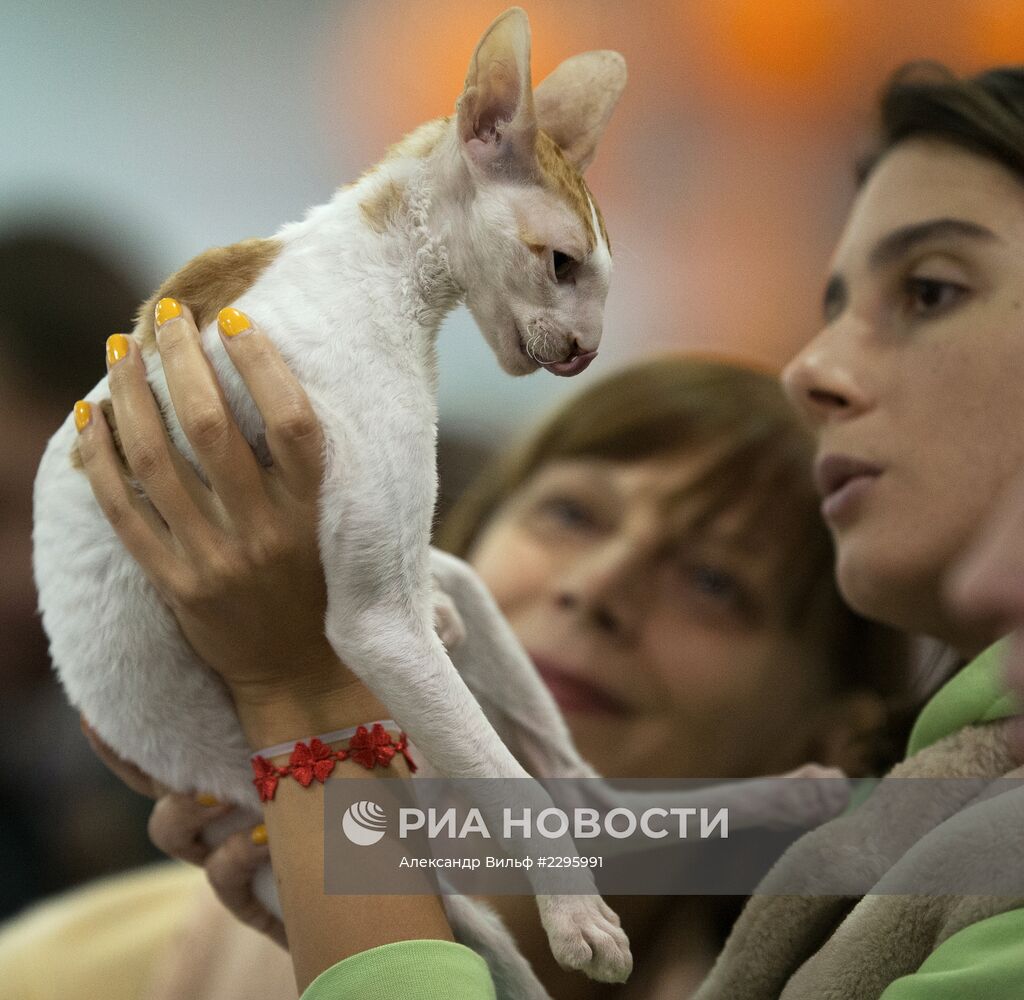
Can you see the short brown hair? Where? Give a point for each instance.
(983, 114)
(760, 466)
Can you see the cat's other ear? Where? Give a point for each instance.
(573, 104)
(496, 120)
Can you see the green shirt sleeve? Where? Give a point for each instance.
(410, 970)
(983, 961)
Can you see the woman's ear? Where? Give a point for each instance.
(847, 732)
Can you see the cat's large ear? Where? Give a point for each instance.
(573, 104)
(496, 120)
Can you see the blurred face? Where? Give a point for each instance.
(662, 649)
(914, 382)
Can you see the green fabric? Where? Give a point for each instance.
(975, 694)
(984, 961)
(406, 970)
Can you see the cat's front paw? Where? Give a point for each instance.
(447, 621)
(585, 935)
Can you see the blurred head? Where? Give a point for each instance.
(59, 300)
(657, 550)
(913, 385)
(530, 249)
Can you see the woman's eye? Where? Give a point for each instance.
(713, 581)
(568, 512)
(564, 265)
(930, 295)
(714, 585)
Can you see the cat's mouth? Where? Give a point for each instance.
(567, 367)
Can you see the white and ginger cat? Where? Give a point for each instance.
(487, 207)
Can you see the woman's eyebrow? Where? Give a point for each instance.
(587, 475)
(899, 243)
(902, 241)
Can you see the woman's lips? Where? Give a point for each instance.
(842, 481)
(574, 694)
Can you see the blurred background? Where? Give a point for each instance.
(133, 136)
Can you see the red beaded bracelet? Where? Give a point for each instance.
(316, 760)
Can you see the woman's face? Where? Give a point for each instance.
(662, 650)
(914, 383)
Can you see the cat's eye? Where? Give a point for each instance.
(564, 265)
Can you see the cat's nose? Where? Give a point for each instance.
(576, 361)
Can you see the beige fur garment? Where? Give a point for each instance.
(805, 945)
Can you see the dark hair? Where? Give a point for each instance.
(983, 114)
(60, 298)
(759, 461)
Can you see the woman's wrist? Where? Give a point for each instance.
(279, 715)
(322, 928)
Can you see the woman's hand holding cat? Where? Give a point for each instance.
(176, 826)
(237, 561)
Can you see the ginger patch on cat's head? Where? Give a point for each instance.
(560, 176)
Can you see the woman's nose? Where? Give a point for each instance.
(601, 588)
(820, 381)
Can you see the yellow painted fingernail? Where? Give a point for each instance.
(233, 322)
(117, 348)
(83, 414)
(207, 800)
(167, 309)
(258, 835)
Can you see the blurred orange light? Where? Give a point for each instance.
(788, 46)
(995, 32)
(786, 42)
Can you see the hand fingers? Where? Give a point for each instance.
(176, 825)
(294, 434)
(169, 482)
(230, 869)
(223, 453)
(135, 778)
(133, 519)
